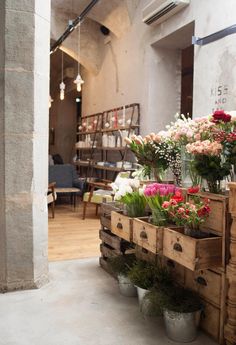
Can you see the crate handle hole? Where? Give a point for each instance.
(119, 226)
(143, 235)
(201, 281)
(177, 247)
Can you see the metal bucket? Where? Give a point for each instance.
(126, 287)
(141, 294)
(181, 327)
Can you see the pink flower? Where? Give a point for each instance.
(181, 210)
(165, 204)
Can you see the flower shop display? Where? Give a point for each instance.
(156, 154)
(121, 266)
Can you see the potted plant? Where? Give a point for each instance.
(121, 266)
(145, 275)
(181, 309)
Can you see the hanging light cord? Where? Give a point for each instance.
(79, 46)
(62, 66)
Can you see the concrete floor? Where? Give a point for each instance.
(80, 306)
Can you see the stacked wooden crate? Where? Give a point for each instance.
(111, 244)
(198, 264)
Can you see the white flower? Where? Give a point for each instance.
(134, 183)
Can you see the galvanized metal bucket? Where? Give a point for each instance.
(181, 327)
(141, 294)
(126, 287)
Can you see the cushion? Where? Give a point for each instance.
(98, 196)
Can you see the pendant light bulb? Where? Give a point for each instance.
(78, 81)
(62, 84)
(62, 91)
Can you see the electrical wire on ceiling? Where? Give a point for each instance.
(72, 26)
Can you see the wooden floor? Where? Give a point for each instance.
(70, 237)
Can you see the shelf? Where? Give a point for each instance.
(103, 148)
(101, 167)
(105, 130)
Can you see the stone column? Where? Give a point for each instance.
(24, 92)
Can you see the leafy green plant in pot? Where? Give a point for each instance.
(121, 266)
(181, 309)
(145, 276)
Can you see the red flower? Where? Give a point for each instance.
(193, 189)
(220, 115)
(177, 197)
(205, 210)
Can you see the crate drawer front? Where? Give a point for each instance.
(144, 254)
(177, 270)
(122, 226)
(217, 217)
(192, 253)
(210, 321)
(206, 283)
(105, 221)
(147, 236)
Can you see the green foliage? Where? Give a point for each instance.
(135, 204)
(173, 298)
(146, 275)
(211, 168)
(122, 264)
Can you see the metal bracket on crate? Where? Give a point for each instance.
(214, 37)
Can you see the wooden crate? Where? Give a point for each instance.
(206, 283)
(107, 251)
(104, 264)
(177, 270)
(144, 254)
(218, 217)
(210, 322)
(122, 225)
(192, 253)
(149, 236)
(105, 222)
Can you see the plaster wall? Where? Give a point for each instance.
(134, 71)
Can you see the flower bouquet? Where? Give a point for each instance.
(156, 194)
(156, 154)
(128, 192)
(188, 214)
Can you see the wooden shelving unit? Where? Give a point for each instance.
(110, 126)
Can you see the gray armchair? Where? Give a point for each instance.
(67, 180)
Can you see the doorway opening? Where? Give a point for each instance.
(187, 65)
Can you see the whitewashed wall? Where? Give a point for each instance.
(133, 71)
